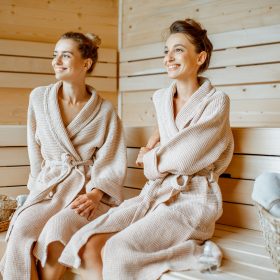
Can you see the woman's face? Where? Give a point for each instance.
(181, 60)
(67, 62)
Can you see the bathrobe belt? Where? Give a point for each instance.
(151, 201)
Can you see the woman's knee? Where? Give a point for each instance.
(54, 250)
(92, 249)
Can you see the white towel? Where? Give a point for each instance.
(266, 192)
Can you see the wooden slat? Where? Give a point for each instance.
(135, 178)
(14, 104)
(232, 39)
(240, 215)
(236, 190)
(249, 166)
(233, 190)
(129, 192)
(38, 49)
(262, 141)
(257, 140)
(23, 80)
(13, 135)
(13, 156)
(14, 191)
(43, 66)
(140, 20)
(252, 92)
(14, 176)
(137, 136)
(228, 57)
(227, 76)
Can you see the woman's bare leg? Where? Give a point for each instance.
(91, 268)
(52, 270)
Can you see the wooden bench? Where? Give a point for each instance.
(237, 232)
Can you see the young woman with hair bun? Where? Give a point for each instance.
(168, 225)
(77, 163)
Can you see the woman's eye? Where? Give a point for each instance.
(54, 55)
(66, 56)
(178, 50)
(165, 52)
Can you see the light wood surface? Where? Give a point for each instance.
(46, 21)
(144, 24)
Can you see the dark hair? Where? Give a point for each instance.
(197, 35)
(88, 45)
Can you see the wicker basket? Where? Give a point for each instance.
(270, 226)
(7, 208)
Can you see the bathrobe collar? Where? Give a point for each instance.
(62, 134)
(190, 109)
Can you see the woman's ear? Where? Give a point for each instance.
(88, 63)
(201, 58)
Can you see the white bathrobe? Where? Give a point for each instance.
(64, 162)
(162, 228)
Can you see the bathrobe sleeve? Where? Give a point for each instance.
(196, 146)
(34, 148)
(109, 168)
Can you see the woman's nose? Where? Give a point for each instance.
(57, 59)
(169, 56)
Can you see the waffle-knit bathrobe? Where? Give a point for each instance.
(162, 228)
(64, 162)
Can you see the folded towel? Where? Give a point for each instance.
(266, 192)
(211, 258)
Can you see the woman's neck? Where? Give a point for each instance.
(185, 89)
(74, 93)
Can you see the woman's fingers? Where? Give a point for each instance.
(78, 201)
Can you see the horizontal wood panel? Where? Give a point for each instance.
(14, 104)
(14, 191)
(232, 39)
(244, 112)
(14, 176)
(233, 190)
(38, 49)
(218, 77)
(13, 135)
(262, 141)
(236, 190)
(249, 167)
(252, 92)
(23, 80)
(44, 66)
(139, 21)
(240, 215)
(254, 119)
(223, 58)
(13, 156)
(241, 166)
(239, 92)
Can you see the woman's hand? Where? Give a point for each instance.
(86, 204)
(142, 152)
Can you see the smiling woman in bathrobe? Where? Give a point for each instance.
(77, 163)
(164, 228)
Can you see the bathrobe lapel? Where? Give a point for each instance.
(62, 134)
(193, 106)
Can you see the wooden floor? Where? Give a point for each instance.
(245, 257)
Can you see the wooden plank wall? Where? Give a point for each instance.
(46, 20)
(245, 63)
(28, 32)
(143, 22)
